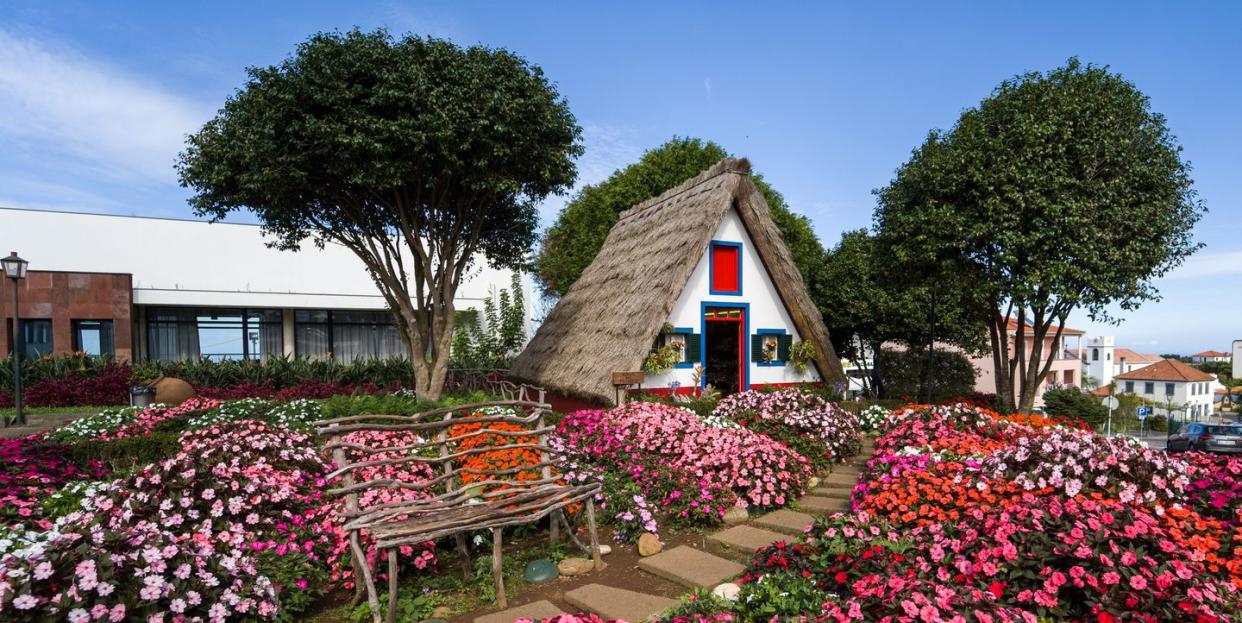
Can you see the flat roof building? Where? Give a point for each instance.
(172, 289)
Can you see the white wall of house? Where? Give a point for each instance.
(195, 263)
(1191, 400)
(766, 310)
(1237, 359)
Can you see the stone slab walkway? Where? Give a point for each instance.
(690, 567)
(617, 603)
(694, 568)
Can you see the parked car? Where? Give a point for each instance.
(1207, 438)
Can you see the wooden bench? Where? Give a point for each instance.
(493, 499)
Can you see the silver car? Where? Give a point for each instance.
(1207, 438)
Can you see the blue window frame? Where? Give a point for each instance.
(724, 279)
(762, 338)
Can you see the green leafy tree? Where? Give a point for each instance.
(582, 225)
(414, 153)
(492, 340)
(866, 307)
(1060, 191)
(903, 374)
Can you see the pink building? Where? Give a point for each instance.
(1065, 371)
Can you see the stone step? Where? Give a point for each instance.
(845, 486)
(690, 567)
(618, 603)
(788, 521)
(823, 506)
(535, 610)
(741, 542)
(834, 493)
(837, 478)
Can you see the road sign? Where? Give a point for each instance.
(1142, 412)
(1111, 402)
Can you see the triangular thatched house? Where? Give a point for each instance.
(701, 271)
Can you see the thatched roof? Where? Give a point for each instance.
(611, 316)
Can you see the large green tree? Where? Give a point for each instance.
(414, 153)
(866, 307)
(1060, 191)
(582, 225)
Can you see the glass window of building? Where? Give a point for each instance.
(93, 337)
(176, 334)
(346, 335)
(35, 337)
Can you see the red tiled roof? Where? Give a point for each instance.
(1101, 392)
(1012, 326)
(1132, 357)
(1210, 353)
(1168, 370)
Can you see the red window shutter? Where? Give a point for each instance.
(726, 265)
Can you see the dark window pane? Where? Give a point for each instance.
(36, 337)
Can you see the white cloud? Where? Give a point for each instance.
(63, 104)
(1216, 264)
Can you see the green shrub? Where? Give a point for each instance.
(126, 454)
(903, 375)
(1072, 402)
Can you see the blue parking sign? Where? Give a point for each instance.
(1142, 412)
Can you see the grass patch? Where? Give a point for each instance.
(90, 409)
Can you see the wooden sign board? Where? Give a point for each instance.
(627, 378)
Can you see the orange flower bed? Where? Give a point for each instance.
(501, 458)
(921, 497)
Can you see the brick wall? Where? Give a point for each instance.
(67, 296)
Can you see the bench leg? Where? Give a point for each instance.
(554, 527)
(599, 561)
(362, 573)
(498, 569)
(393, 586)
(463, 550)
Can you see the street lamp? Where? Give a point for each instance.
(15, 269)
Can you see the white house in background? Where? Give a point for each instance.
(1189, 390)
(1103, 360)
(1211, 356)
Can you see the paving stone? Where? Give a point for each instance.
(835, 478)
(842, 493)
(690, 567)
(822, 505)
(785, 520)
(535, 610)
(618, 603)
(743, 541)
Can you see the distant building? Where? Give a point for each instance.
(1211, 356)
(1103, 360)
(1170, 382)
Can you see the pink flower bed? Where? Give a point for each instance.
(235, 526)
(32, 468)
(686, 468)
(966, 516)
(148, 420)
(788, 414)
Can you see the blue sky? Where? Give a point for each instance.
(95, 98)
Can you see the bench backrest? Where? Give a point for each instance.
(466, 449)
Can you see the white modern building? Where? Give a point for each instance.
(172, 289)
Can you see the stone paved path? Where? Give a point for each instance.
(723, 558)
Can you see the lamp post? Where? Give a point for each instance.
(15, 269)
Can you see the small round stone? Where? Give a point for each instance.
(540, 570)
(727, 591)
(649, 544)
